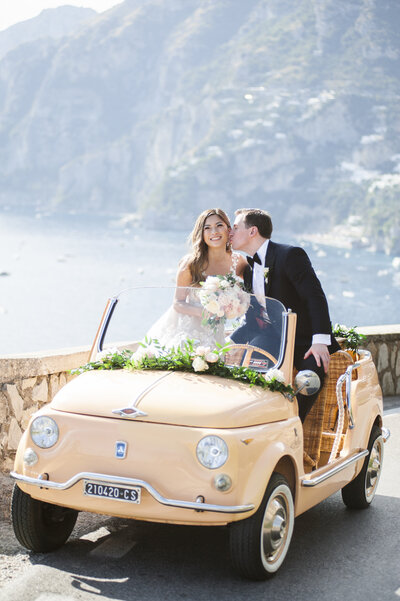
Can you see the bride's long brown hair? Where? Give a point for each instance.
(197, 261)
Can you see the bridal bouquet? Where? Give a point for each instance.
(223, 297)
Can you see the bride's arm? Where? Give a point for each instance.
(241, 265)
(183, 281)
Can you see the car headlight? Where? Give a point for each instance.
(212, 452)
(44, 432)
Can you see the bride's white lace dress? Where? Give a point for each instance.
(174, 327)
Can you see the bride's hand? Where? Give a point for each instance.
(181, 306)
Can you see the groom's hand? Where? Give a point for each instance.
(321, 354)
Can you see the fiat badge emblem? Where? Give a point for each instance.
(120, 449)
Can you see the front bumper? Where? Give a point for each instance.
(118, 481)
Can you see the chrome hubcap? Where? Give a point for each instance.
(374, 469)
(277, 527)
(278, 530)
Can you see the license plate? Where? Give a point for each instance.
(131, 494)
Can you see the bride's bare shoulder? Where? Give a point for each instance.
(184, 276)
(184, 262)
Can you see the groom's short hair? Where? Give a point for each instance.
(261, 219)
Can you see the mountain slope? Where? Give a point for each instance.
(167, 107)
(52, 23)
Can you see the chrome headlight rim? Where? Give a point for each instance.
(212, 452)
(44, 432)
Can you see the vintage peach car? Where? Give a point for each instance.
(198, 448)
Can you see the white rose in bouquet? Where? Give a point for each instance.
(211, 284)
(223, 298)
(213, 307)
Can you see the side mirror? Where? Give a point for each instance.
(307, 382)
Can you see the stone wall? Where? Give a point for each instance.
(384, 344)
(28, 382)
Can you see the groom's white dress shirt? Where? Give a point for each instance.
(258, 273)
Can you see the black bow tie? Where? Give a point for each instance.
(254, 259)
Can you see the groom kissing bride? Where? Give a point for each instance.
(285, 273)
(275, 270)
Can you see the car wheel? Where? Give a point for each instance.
(40, 526)
(358, 494)
(260, 543)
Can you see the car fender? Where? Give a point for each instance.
(289, 460)
(364, 418)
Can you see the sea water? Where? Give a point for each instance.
(57, 273)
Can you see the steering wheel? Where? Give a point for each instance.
(250, 349)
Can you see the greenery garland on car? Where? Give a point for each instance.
(351, 339)
(187, 358)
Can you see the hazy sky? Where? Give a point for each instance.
(12, 11)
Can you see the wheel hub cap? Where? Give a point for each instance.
(275, 526)
(374, 468)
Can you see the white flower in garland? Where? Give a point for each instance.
(108, 352)
(266, 274)
(212, 357)
(274, 374)
(143, 353)
(201, 351)
(199, 364)
(203, 356)
(188, 358)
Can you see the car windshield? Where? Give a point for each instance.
(218, 313)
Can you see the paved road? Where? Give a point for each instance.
(335, 554)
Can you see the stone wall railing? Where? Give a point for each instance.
(384, 344)
(27, 382)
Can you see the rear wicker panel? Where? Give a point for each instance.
(323, 415)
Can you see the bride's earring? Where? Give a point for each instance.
(228, 246)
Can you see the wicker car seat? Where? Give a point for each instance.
(320, 424)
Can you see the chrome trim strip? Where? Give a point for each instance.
(131, 482)
(340, 418)
(385, 434)
(348, 375)
(106, 322)
(131, 411)
(335, 470)
(282, 349)
(148, 388)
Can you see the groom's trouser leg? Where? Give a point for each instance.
(306, 402)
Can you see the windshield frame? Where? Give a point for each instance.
(98, 343)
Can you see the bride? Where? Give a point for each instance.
(211, 255)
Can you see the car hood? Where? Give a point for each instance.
(177, 398)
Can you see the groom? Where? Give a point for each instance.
(290, 279)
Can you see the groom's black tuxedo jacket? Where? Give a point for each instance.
(293, 281)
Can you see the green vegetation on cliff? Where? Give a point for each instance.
(166, 107)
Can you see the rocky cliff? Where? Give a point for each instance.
(51, 23)
(165, 107)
